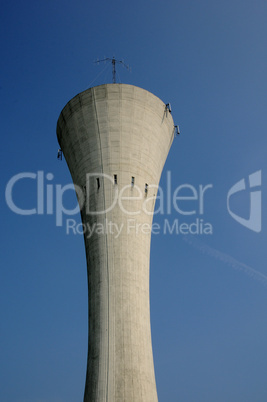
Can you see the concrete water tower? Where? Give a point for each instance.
(115, 139)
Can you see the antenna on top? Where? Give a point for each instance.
(113, 62)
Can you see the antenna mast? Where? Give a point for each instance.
(114, 61)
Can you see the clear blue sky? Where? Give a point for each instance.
(208, 307)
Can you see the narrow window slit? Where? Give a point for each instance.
(98, 183)
(115, 179)
(132, 181)
(146, 188)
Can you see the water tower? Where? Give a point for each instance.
(115, 139)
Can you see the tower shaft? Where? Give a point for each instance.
(115, 139)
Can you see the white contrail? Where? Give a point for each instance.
(232, 262)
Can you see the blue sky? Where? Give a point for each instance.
(208, 304)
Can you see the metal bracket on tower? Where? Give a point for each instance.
(59, 154)
(168, 107)
(177, 130)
